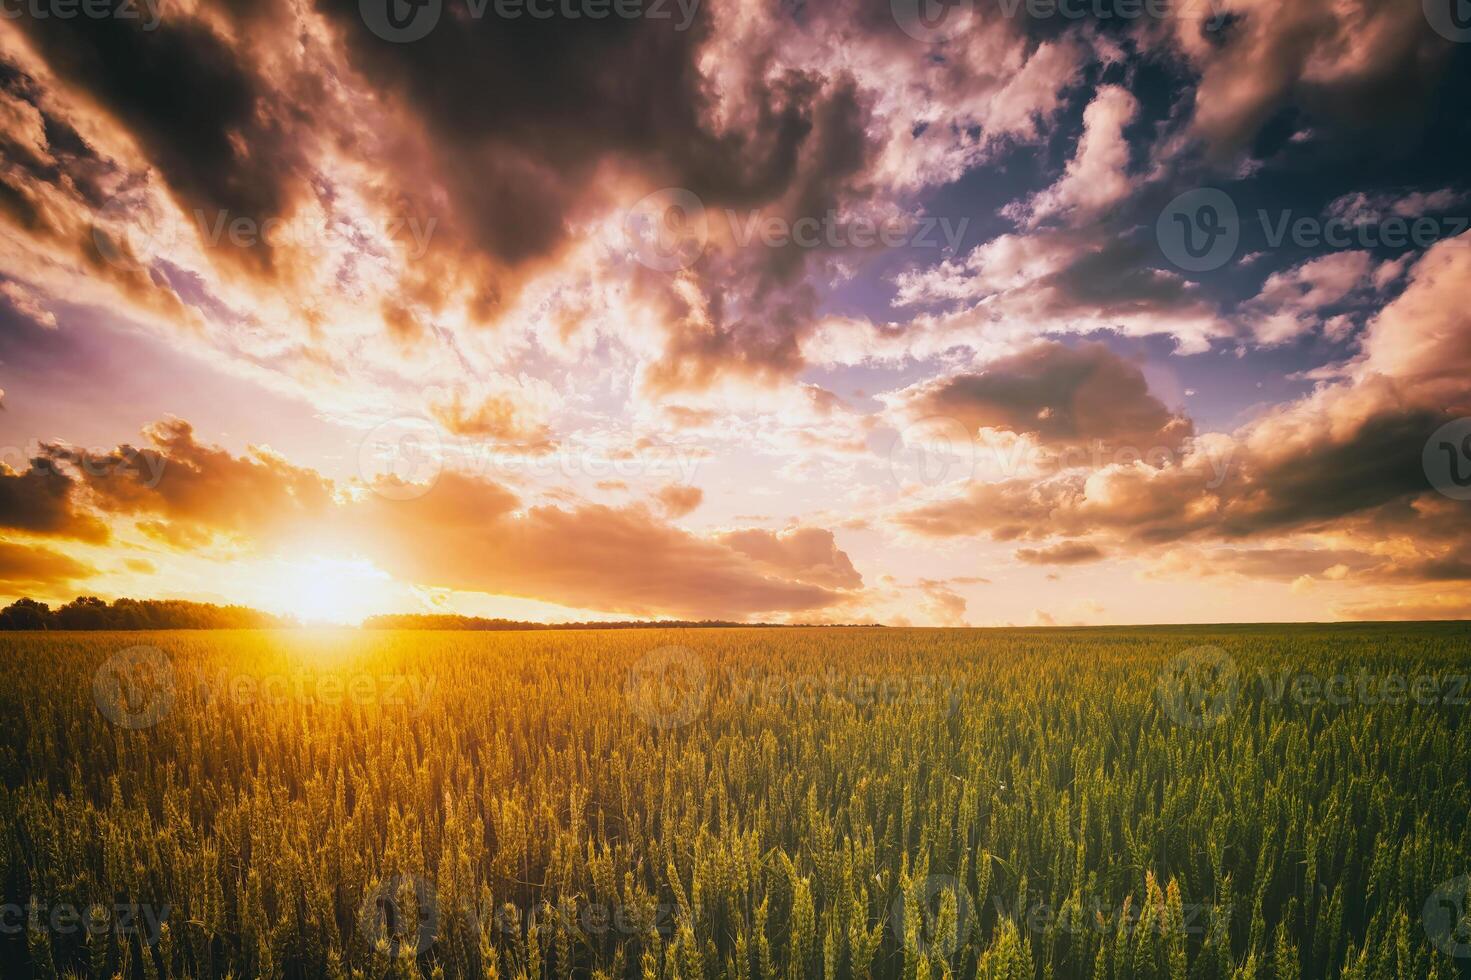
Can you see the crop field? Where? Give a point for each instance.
(1257, 802)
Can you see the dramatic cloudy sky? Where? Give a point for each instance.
(1006, 311)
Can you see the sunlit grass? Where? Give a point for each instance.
(844, 802)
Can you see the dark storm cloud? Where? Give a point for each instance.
(193, 102)
(1379, 461)
(525, 112)
(1061, 395)
(64, 159)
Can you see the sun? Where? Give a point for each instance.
(322, 590)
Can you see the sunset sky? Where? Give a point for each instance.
(846, 311)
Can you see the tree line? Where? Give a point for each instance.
(91, 613)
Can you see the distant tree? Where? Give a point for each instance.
(91, 613)
(25, 614)
(86, 612)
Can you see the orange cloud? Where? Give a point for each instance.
(468, 534)
(1345, 460)
(42, 500)
(27, 570)
(679, 500)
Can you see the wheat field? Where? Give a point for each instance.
(1255, 802)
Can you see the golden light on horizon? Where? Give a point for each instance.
(326, 590)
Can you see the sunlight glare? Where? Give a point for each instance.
(332, 591)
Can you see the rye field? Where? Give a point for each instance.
(1232, 802)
